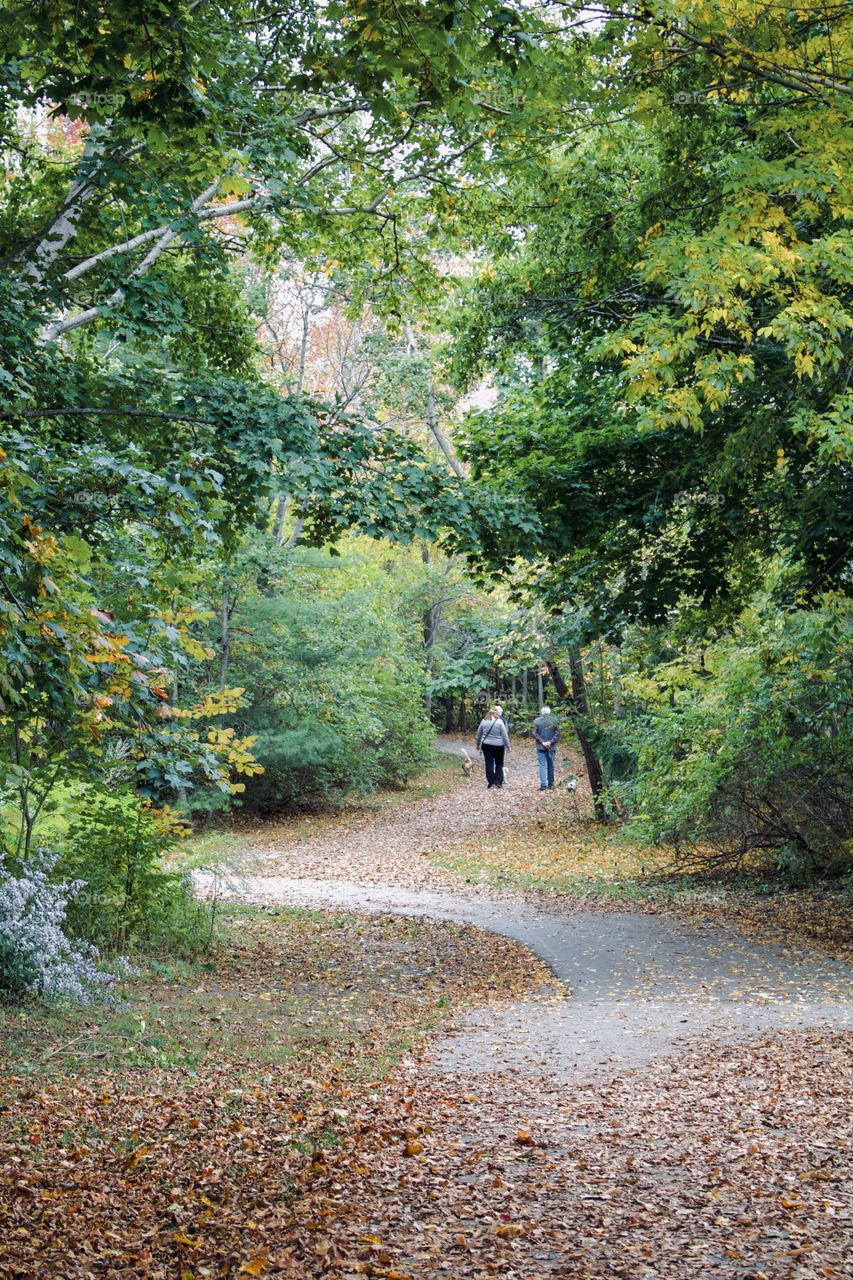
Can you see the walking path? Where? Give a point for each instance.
(639, 985)
(392, 845)
(642, 1120)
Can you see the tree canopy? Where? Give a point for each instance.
(560, 293)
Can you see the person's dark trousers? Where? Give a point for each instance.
(546, 766)
(494, 758)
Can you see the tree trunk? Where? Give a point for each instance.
(616, 678)
(577, 705)
(429, 624)
(280, 516)
(25, 837)
(448, 713)
(428, 627)
(29, 823)
(303, 346)
(461, 720)
(180, 791)
(64, 226)
(297, 531)
(602, 688)
(438, 434)
(540, 688)
(227, 608)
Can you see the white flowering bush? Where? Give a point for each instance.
(36, 957)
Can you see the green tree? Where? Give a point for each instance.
(673, 325)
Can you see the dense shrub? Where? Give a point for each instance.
(126, 900)
(753, 755)
(335, 698)
(361, 752)
(301, 766)
(37, 958)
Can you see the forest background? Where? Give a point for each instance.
(366, 362)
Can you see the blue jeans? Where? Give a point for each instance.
(546, 766)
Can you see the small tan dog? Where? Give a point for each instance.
(467, 764)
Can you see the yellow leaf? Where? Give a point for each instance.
(256, 1267)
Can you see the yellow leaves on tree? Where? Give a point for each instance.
(236, 754)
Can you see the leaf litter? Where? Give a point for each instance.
(266, 1139)
(521, 843)
(729, 1162)
(195, 1150)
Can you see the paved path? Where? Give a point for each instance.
(611, 1127)
(639, 985)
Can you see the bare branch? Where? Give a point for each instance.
(145, 237)
(367, 208)
(59, 327)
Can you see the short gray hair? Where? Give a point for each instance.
(545, 711)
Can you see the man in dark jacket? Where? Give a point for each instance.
(546, 735)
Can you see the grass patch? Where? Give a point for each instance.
(553, 855)
(443, 773)
(285, 984)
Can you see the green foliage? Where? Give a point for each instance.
(334, 684)
(83, 690)
(671, 334)
(19, 971)
(751, 754)
(160, 158)
(648, 213)
(129, 902)
(666, 322)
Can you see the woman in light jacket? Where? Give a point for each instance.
(493, 741)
